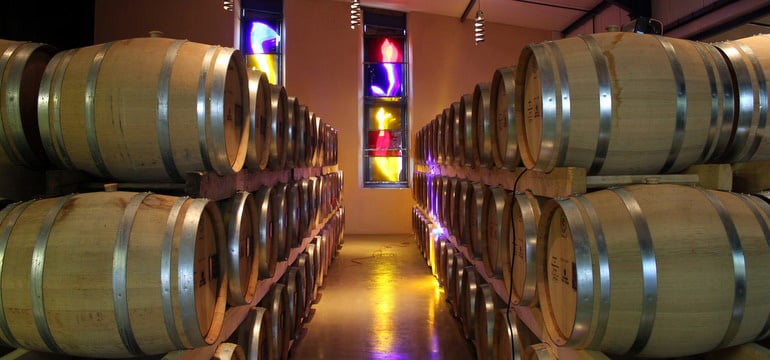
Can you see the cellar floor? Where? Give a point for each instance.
(379, 301)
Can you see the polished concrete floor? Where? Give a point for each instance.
(379, 301)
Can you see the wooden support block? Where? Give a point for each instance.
(210, 185)
(62, 182)
(560, 182)
(750, 351)
(594, 182)
(751, 177)
(713, 176)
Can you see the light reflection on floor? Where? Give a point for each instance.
(380, 302)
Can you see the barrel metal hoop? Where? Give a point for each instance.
(584, 270)
(745, 93)
(12, 214)
(712, 139)
(649, 270)
(90, 116)
(762, 204)
(119, 271)
(216, 136)
(530, 244)
(605, 103)
(510, 152)
(238, 206)
(603, 263)
(485, 127)
(49, 107)
(203, 108)
(22, 150)
(739, 268)
(545, 158)
(5, 59)
(36, 275)
(186, 274)
(725, 126)
(762, 88)
(162, 125)
(165, 274)
(564, 131)
(681, 104)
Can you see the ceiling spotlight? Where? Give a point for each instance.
(228, 5)
(478, 26)
(355, 13)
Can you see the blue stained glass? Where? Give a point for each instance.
(264, 38)
(384, 80)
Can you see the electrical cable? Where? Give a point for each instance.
(510, 287)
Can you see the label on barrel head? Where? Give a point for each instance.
(563, 271)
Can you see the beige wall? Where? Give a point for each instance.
(203, 21)
(323, 69)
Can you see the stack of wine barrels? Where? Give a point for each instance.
(615, 270)
(148, 111)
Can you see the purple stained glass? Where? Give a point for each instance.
(264, 38)
(384, 80)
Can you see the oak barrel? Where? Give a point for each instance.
(622, 103)
(259, 100)
(302, 123)
(290, 131)
(239, 214)
(622, 272)
(466, 138)
(280, 217)
(278, 117)
(502, 110)
(254, 334)
(521, 270)
(266, 247)
(294, 280)
(146, 109)
(449, 131)
(293, 213)
(229, 351)
(312, 264)
(494, 250)
(482, 127)
(510, 338)
(487, 304)
(22, 65)
(476, 227)
(149, 276)
(277, 302)
(454, 289)
(471, 282)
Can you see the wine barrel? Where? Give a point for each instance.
(447, 191)
(750, 351)
(455, 189)
(439, 138)
(302, 124)
(452, 114)
(466, 139)
(449, 265)
(541, 351)
(470, 285)
(290, 131)
(492, 236)
(303, 263)
(464, 202)
(449, 131)
(599, 102)
(749, 64)
(313, 202)
(510, 338)
(278, 118)
(313, 266)
(651, 259)
(266, 246)
(476, 229)
(303, 190)
(320, 242)
(294, 239)
(279, 204)
(482, 127)
(277, 302)
(294, 282)
(229, 351)
(524, 216)
(502, 110)
(259, 101)
(439, 266)
(22, 65)
(487, 304)
(146, 109)
(254, 334)
(239, 213)
(143, 278)
(454, 289)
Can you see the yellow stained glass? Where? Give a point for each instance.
(386, 168)
(266, 63)
(385, 118)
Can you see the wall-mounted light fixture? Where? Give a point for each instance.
(228, 5)
(355, 13)
(478, 26)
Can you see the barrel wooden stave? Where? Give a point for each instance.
(259, 99)
(503, 112)
(239, 213)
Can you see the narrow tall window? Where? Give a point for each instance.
(261, 31)
(385, 99)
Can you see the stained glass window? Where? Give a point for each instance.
(261, 39)
(385, 99)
